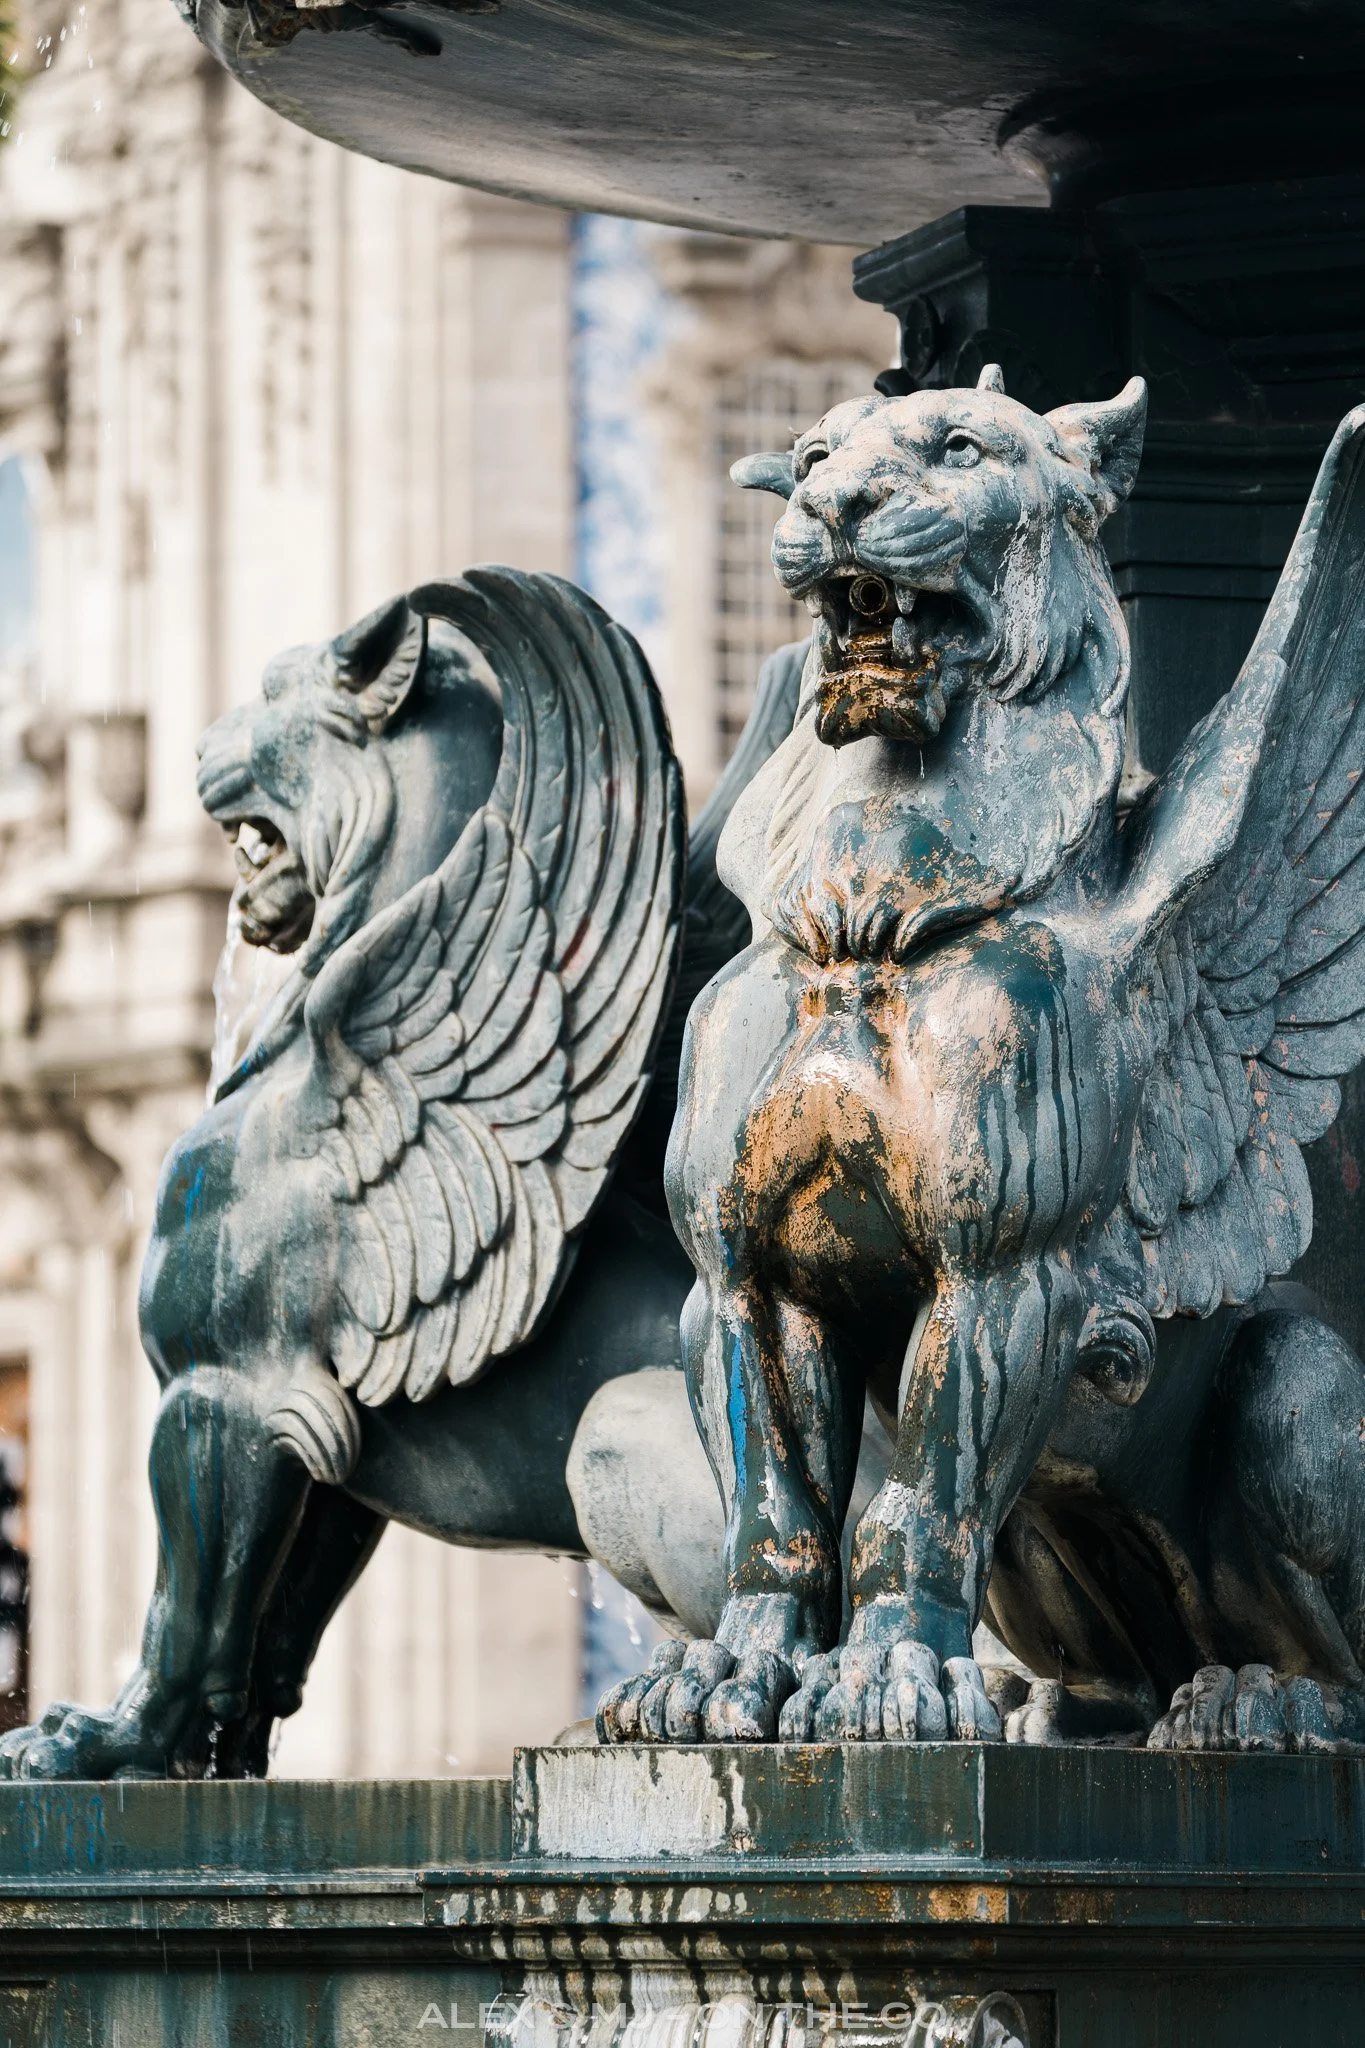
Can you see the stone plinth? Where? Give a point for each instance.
(933, 1897)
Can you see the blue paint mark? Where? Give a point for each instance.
(192, 1198)
(738, 1410)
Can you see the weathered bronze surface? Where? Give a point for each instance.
(998, 1121)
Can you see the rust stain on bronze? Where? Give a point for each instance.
(981, 1902)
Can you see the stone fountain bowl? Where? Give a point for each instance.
(842, 120)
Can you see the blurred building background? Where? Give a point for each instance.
(250, 386)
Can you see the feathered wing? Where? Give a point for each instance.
(1244, 922)
(480, 1049)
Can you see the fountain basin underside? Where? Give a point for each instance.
(841, 123)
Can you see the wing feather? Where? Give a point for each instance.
(480, 1049)
(434, 1235)
(509, 1092)
(384, 1374)
(435, 1328)
(1243, 919)
(366, 1270)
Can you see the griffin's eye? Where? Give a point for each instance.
(805, 459)
(960, 451)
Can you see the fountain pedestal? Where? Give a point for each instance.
(935, 1897)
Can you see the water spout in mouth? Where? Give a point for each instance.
(870, 597)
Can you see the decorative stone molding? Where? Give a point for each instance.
(31, 407)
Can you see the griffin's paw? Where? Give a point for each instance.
(1199, 1716)
(1251, 1709)
(1050, 1715)
(863, 1693)
(74, 1742)
(1040, 1720)
(701, 1693)
(618, 1711)
(747, 1706)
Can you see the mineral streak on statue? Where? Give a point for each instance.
(999, 1118)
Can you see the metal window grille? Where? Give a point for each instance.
(764, 405)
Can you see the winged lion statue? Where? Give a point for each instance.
(997, 1122)
(422, 1221)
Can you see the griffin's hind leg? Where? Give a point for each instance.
(1286, 1547)
(335, 1541)
(1081, 1598)
(228, 1500)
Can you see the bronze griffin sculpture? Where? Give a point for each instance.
(998, 1119)
(415, 1230)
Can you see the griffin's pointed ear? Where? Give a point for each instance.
(377, 661)
(772, 472)
(992, 378)
(1106, 439)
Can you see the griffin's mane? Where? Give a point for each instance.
(1016, 784)
(1058, 611)
(344, 832)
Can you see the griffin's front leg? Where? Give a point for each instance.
(778, 1412)
(988, 1369)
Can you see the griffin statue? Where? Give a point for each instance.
(997, 1122)
(414, 1232)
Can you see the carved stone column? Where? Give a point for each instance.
(1244, 308)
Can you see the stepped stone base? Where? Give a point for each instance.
(878, 1897)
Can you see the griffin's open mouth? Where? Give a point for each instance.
(275, 902)
(869, 621)
(882, 650)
